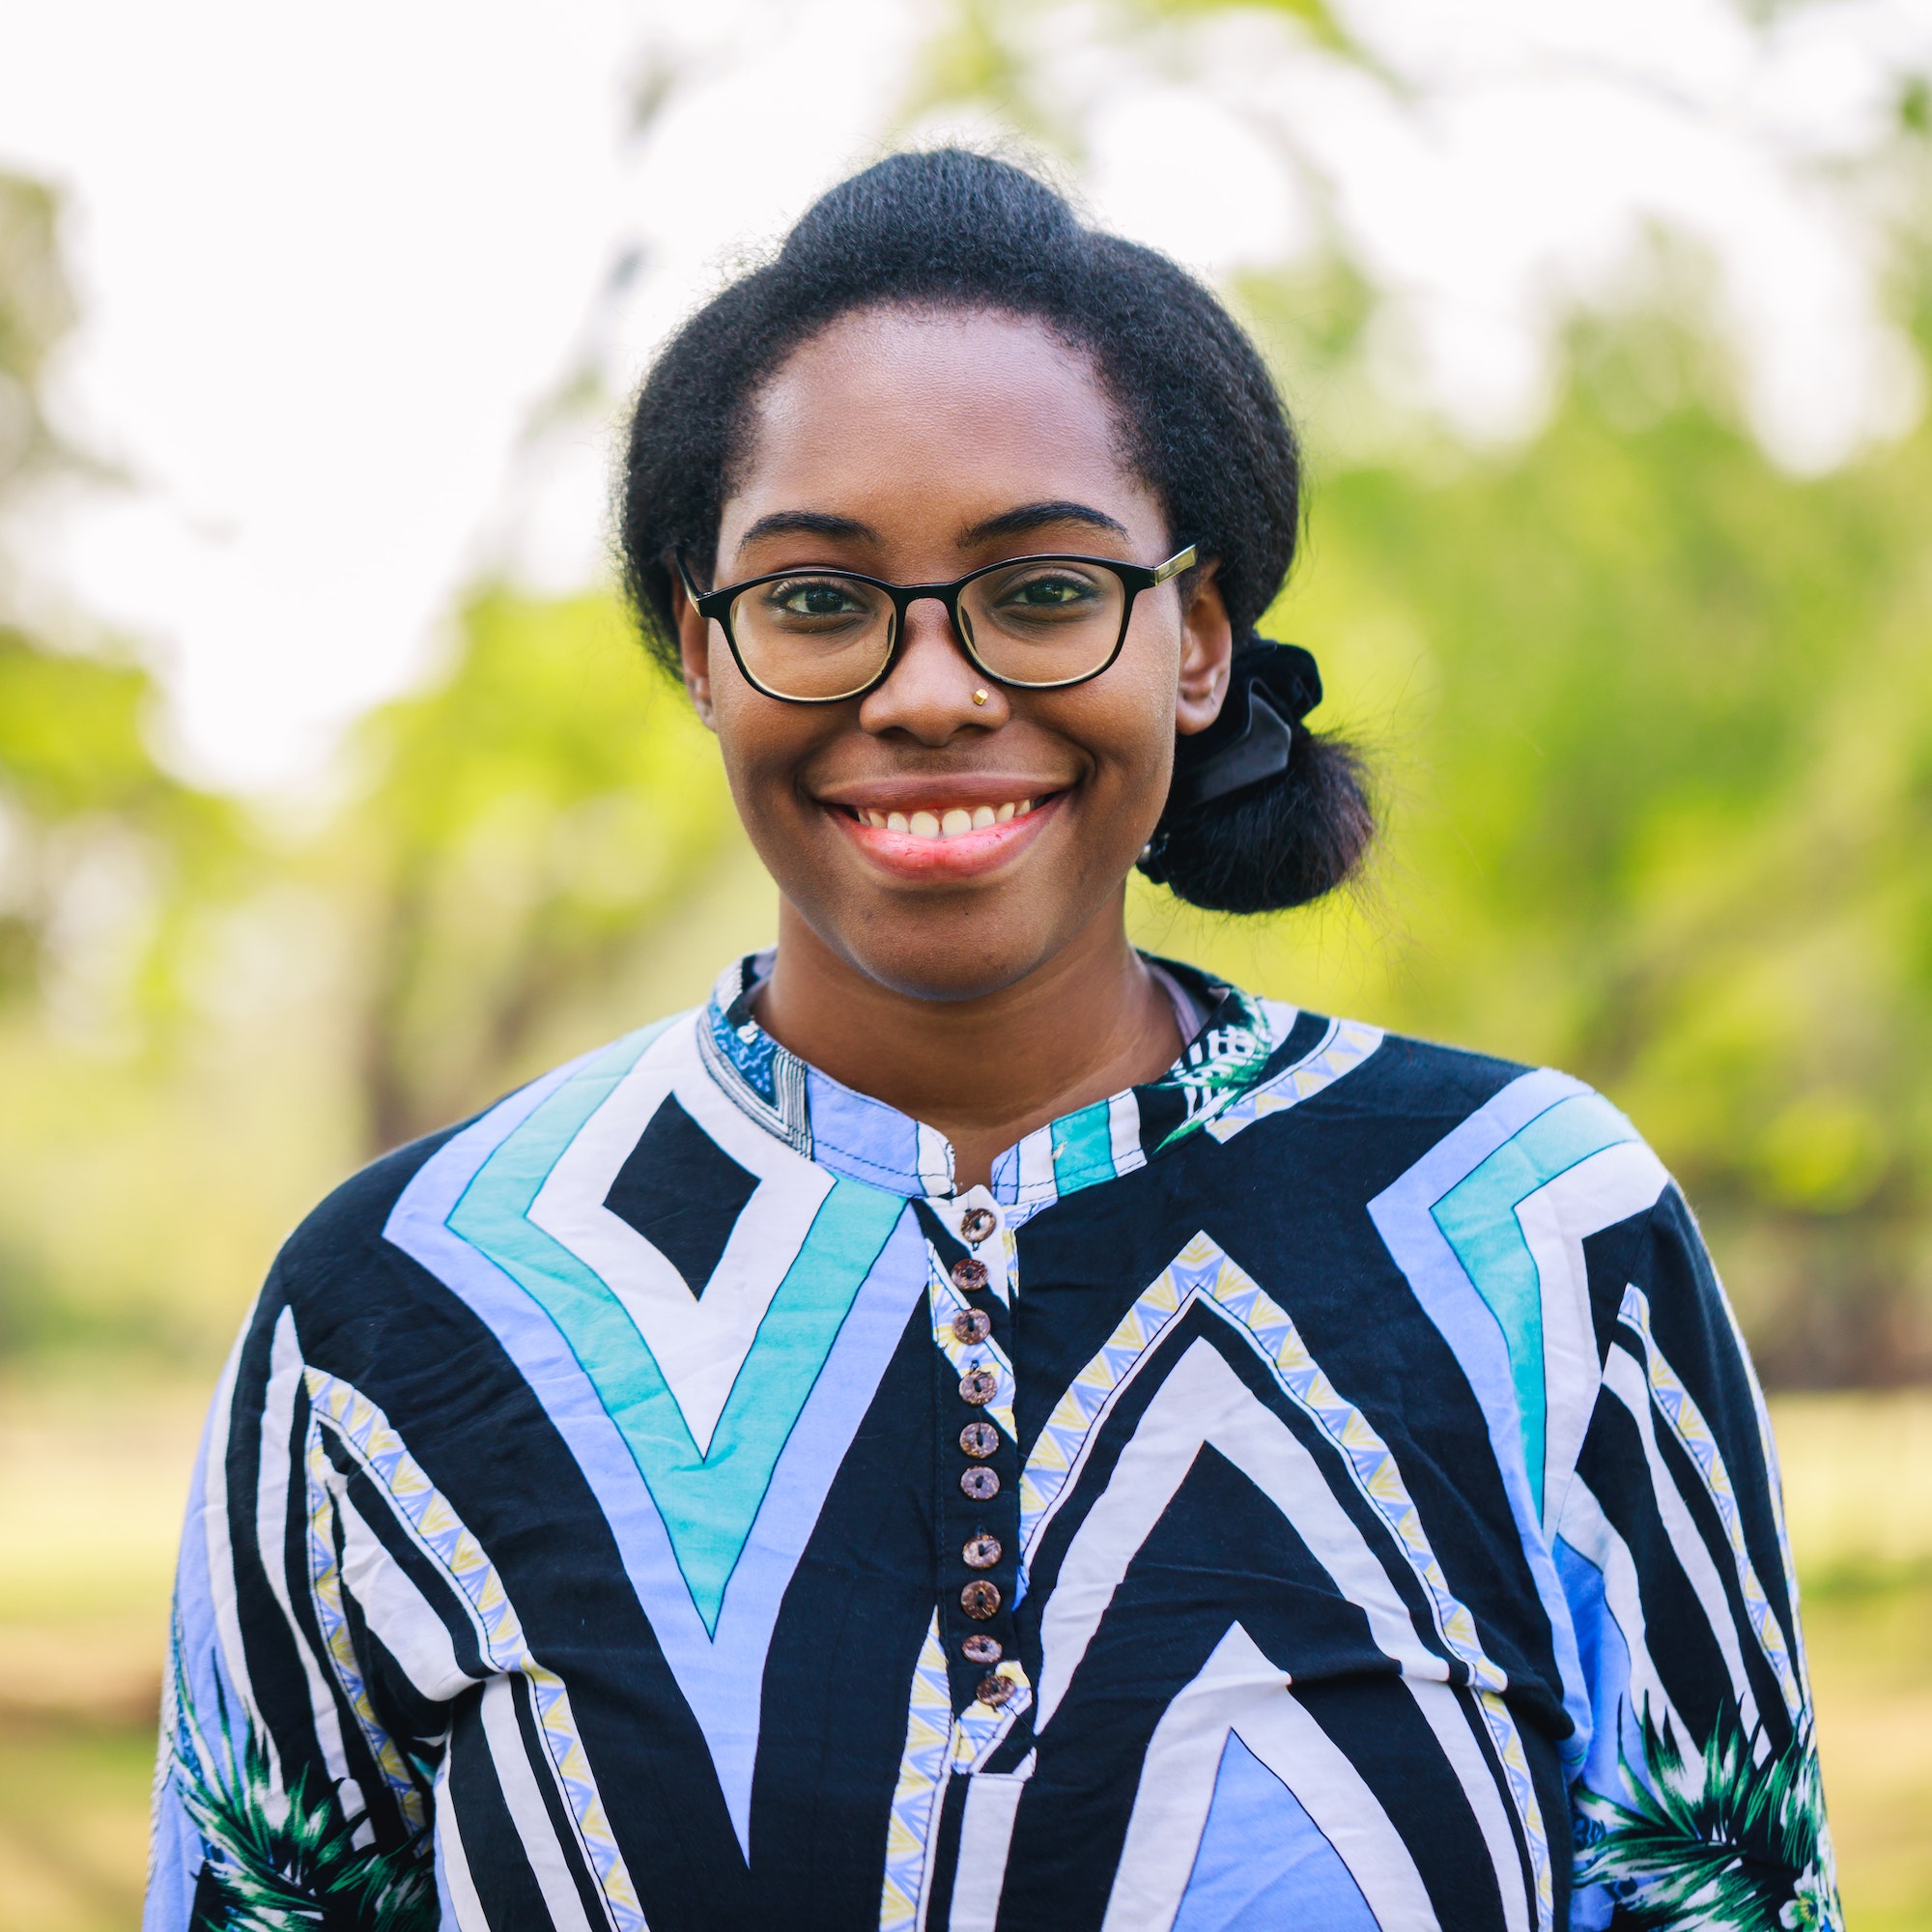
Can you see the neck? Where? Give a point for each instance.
(986, 1071)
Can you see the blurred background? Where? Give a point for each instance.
(336, 797)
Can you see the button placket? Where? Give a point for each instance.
(978, 1463)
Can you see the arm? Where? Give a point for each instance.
(294, 1769)
(1699, 1803)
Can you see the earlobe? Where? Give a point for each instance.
(1207, 649)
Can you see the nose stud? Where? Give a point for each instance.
(980, 695)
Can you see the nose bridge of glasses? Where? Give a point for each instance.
(949, 621)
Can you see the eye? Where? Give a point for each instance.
(1050, 591)
(813, 597)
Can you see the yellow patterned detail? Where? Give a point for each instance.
(1675, 1402)
(325, 1581)
(1067, 1429)
(921, 1776)
(444, 1537)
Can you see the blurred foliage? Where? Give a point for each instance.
(1654, 725)
(100, 849)
(99, 845)
(36, 310)
(518, 831)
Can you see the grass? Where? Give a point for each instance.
(91, 1489)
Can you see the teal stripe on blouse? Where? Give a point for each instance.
(1478, 1219)
(708, 1502)
(1083, 1149)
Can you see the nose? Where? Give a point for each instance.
(930, 693)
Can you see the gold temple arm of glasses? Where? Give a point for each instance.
(1175, 565)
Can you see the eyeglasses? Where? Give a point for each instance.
(824, 637)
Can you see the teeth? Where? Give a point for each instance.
(948, 823)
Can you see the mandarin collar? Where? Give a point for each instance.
(865, 1138)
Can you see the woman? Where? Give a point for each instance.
(977, 1427)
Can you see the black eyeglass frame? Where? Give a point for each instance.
(715, 607)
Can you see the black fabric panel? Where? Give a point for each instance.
(492, 1848)
(1111, 1438)
(381, 1804)
(1676, 1623)
(682, 1192)
(205, 1911)
(841, 1661)
(1377, 1727)
(1693, 1327)
(1558, 1833)
(420, 1733)
(277, 1673)
(432, 1582)
(945, 1852)
(1553, 1799)
(1697, 1498)
(274, 1666)
(1609, 1257)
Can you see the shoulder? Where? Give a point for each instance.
(361, 1253)
(1492, 1152)
(1521, 1181)
(1390, 1076)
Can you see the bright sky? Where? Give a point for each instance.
(331, 265)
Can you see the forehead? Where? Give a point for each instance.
(896, 408)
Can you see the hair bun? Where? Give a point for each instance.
(1261, 814)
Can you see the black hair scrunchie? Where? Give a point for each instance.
(1271, 689)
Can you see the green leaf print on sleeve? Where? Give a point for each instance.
(1722, 1840)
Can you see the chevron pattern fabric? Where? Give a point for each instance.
(1320, 1488)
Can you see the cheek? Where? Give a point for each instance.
(763, 744)
(1129, 724)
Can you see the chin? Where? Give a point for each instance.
(946, 973)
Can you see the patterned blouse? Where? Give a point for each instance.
(1324, 1487)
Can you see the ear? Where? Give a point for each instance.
(1207, 649)
(694, 647)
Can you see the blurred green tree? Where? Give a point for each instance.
(1657, 736)
(86, 810)
(521, 831)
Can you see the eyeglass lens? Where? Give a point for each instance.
(1041, 622)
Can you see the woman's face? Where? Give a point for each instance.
(915, 447)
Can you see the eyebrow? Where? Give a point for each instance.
(807, 524)
(1035, 516)
(1019, 522)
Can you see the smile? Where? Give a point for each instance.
(946, 839)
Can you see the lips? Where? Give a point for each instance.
(941, 840)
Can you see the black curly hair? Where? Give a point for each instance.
(1201, 418)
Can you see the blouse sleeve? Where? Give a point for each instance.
(1698, 1801)
(292, 1774)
